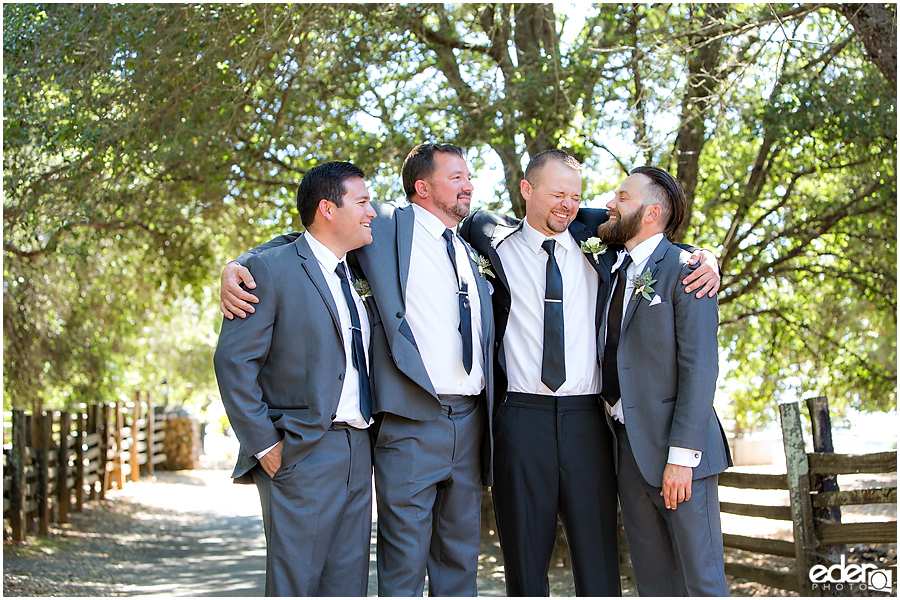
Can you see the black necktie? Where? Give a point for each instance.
(610, 391)
(465, 309)
(358, 354)
(553, 361)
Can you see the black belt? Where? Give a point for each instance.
(341, 426)
(582, 400)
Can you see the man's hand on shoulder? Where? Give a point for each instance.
(705, 278)
(234, 300)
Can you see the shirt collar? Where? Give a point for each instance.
(534, 238)
(434, 226)
(322, 253)
(642, 251)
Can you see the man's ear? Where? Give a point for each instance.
(526, 188)
(652, 213)
(326, 209)
(421, 188)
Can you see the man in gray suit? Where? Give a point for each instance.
(660, 363)
(432, 375)
(295, 386)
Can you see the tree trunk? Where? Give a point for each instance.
(876, 25)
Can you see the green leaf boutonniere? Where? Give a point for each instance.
(484, 266)
(642, 285)
(594, 246)
(362, 289)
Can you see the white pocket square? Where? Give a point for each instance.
(656, 300)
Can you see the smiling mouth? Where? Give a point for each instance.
(559, 215)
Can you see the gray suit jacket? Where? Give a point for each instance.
(668, 365)
(280, 370)
(399, 380)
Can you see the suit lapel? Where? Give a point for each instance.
(314, 271)
(406, 222)
(653, 264)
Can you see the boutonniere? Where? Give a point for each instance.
(642, 284)
(362, 289)
(483, 264)
(594, 246)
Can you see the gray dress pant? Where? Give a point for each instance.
(428, 491)
(317, 515)
(674, 552)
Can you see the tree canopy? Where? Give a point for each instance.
(144, 145)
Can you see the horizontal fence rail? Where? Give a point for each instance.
(56, 461)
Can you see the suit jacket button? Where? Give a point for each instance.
(399, 314)
(333, 417)
(341, 376)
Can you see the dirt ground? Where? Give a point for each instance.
(194, 533)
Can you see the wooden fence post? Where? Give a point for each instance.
(80, 431)
(44, 424)
(119, 459)
(103, 468)
(822, 442)
(151, 426)
(801, 505)
(135, 434)
(30, 494)
(17, 457)
(63, 492)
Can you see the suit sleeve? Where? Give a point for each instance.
(696, 332)
(281, 240)
(240, 354)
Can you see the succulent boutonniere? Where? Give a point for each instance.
(642, 284)
(484, 265)
(362, 289)
(594, 246)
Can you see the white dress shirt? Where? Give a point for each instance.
(348, 404)
(640, 256)
(525, 264)
(432, 308)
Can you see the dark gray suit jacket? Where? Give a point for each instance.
(280, 370)
(668, 365)
(400, 382)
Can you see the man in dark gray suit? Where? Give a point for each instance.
(660, 364)
(554, 447)
(432, 375)
(295, 386)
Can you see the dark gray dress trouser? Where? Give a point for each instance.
(428, 490)
(317, 516)
(674, 552)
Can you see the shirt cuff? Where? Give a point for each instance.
(259, 455)
(683, 457)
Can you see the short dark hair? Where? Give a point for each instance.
(324, 181)
(541, 158)
(668, 192)
(419, 164)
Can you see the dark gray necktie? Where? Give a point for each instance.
(610, 391)
(465, 308)
(358, 354)
(553, 360)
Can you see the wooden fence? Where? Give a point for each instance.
(815, 502)
(57, 461)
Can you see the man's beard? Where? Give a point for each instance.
(456, 210)
(622, 229)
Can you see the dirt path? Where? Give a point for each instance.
(194, 533)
